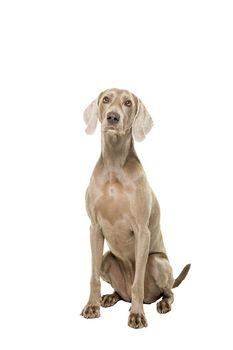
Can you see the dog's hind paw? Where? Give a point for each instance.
(163, 306)
(110, 299)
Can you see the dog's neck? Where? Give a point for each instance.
(116, 150)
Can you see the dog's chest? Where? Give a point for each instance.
(113, 203)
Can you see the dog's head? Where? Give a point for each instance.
(118, 111)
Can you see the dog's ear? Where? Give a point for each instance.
(91, 116)
(142, 122)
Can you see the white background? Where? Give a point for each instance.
(56, 57)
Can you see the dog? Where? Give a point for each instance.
(124, 210)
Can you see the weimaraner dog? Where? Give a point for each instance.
(124, 211)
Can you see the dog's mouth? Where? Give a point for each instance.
(114, 130)
(111, 129)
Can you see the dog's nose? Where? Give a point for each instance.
(113, 117)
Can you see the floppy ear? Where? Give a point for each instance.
(90, 117)
(142, 123)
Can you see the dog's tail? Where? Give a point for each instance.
(181, 276)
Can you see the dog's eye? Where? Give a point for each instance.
(128, 103)
(106, 99)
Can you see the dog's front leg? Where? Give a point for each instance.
(137, 317)
(92, 308)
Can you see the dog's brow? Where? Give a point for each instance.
(126, 97)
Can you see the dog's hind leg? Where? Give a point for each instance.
(167, 297)
(164, 305)
(112, 273)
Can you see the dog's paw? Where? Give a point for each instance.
(163, 306)
(109, 299)
(137, 320)
(91, 311)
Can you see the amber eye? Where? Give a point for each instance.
(128, 103)
(106, 99)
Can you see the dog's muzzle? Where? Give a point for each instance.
(113, 118)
